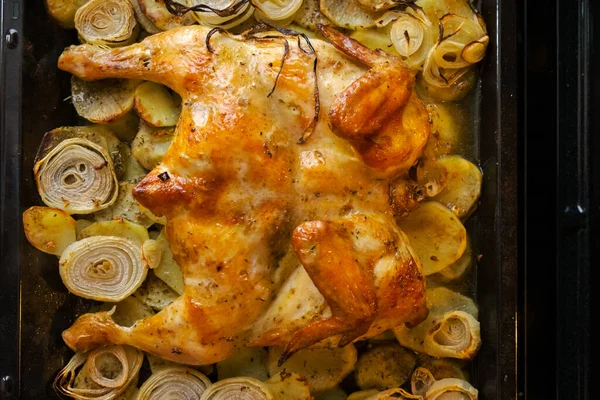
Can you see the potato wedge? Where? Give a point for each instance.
(63, 11)
(49, 229)
(103, 101)
(463, 186)
(349, 14)
(384, 366)
(151, 144)
(126, 207)
(155, 105)
(157, 13)
(323, 368)
(249, 361)
(168, 271)
(154, 293)
(436, 235)
(309, 15)
(120, 228)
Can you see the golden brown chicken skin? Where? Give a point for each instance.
(281, 241)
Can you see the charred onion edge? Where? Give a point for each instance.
(178, 9)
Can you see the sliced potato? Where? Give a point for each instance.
(288, 386)
(120, 228)
(323, 368)
(146, 23)
(155, 293)
(125, 127)
(49, 229)
(436, 235)
(375, 38)
(332, 394)
(445, 134)
(384, 366)
(249, 361)
(157, 363)
(151, 144)
(103, 101)
(309, 15)
(157, 13)
(442, 368)
(126, 207)
(63, 11)
(155, 105)
(463, 186)
(363, 394)
(154, 218)
(458, 269)
(80, 225)
(168, 270)
(127, 312)
(349, 14)
(436, 9)
(133, 172)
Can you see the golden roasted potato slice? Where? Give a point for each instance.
(445, 134)
(63, 11)
(332, 394)
(154, 293)
(125, 127)
(323, 368)
(249, 361)
(133, 172)
(375, 38)
(384, 366)
(121, 228)
(349, 14)
(309, 15)
(151, 144)
(168, 271)
(126, 312)
(49, 229)
(126, 207)
(103, 101)
(156, 105)
(463, 186)
(458, 269)
(157, 13)
(436, 235)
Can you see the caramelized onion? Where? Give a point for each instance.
(107, 22)
(77, 176)
(174, 383)
(104, 268)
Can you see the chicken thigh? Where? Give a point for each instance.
(279, 217)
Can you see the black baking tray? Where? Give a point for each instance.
(35, 307)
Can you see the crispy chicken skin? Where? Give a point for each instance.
(280, 242)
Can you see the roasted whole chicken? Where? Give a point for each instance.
(276, 191)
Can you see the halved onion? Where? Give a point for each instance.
(456, 335)
(412, 36)
(450, 330)
(226, 22)
(103, 388)
(241, 388)
(277, 10)
(107, 22)
(421, 380)
(451, 388)
(174, 383)
(104, 268)
(77, 176)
